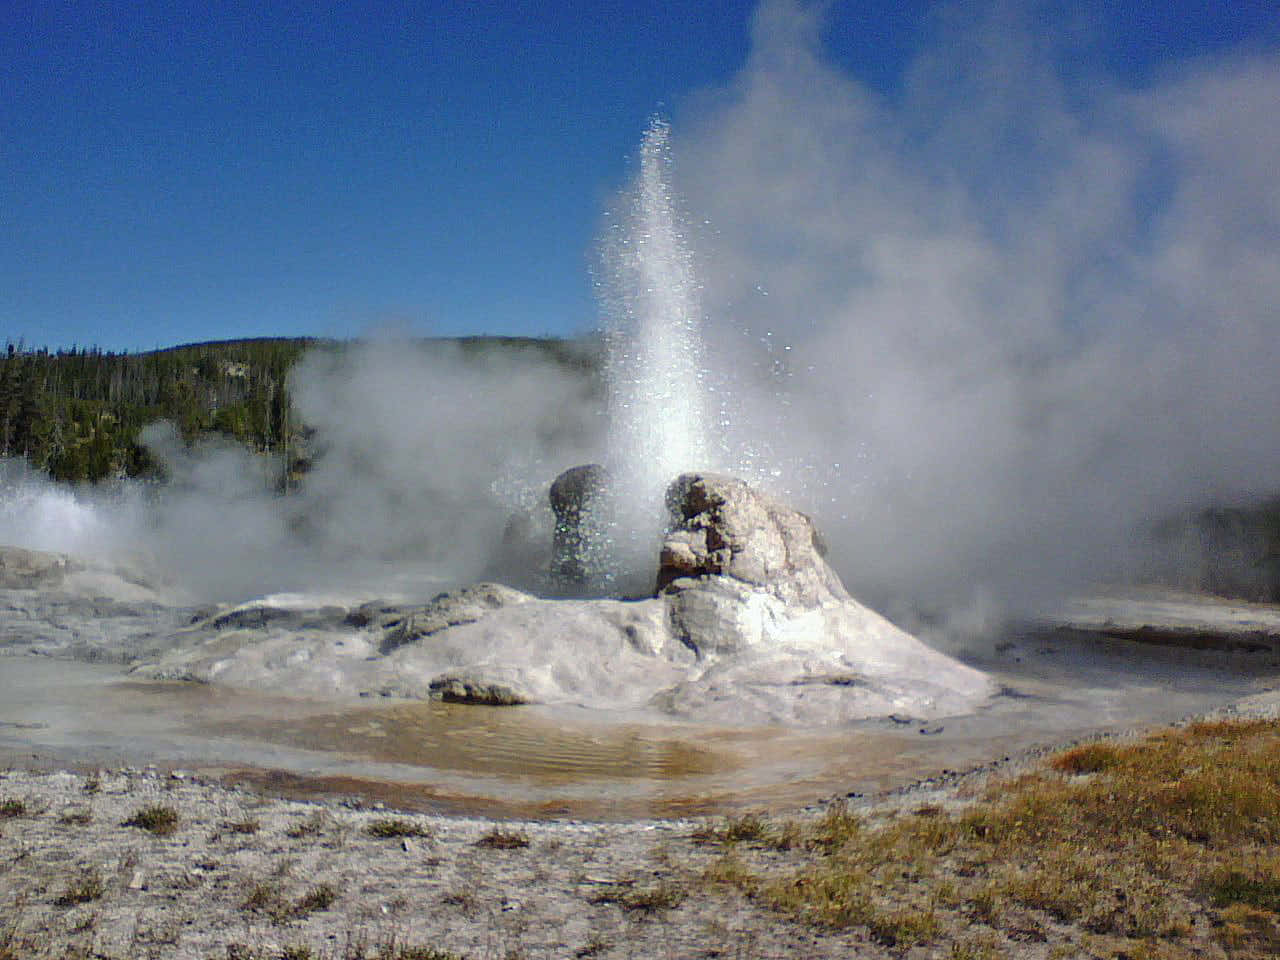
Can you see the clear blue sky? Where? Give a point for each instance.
(172, 172)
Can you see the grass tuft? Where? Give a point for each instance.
(160, 820)
(318, 898)
(1089, 758)
(498, 839)
(313, 826)
(269, 900)
(752, 828)
(86, 888)
(391, 828)
(11, 807)
(1229, 885)
(663, 895)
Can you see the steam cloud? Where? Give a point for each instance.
(985, 331)
(426, 453)
(1025, 315)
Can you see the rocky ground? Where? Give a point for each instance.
(134, 862)
(246, 875)
(148, 862)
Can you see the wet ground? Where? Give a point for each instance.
(544, 762)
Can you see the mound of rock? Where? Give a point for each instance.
(22, 569)
(746, 586)
(738, 569)
(573, 496)
(748, 623)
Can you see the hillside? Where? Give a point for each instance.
(76, 414)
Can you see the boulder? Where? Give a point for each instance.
(573, 495)
(464, 689)
(720, 526)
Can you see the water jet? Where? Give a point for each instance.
(654, 366)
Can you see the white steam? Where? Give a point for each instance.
(986, 331)
(1013, 318)
(432, 465)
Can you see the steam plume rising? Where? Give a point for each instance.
(1015, 316)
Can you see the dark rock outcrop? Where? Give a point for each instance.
(573, 496)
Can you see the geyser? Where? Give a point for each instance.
(653, 366)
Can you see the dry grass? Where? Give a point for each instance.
(162, 821)
(647, 899)
(86, 888)
(752, 828)
(1161, 848)
(394, 827)
(497, 839)
(1089, 758)
(78, 817)
(320, 897)
(269, 900)
(313, 826)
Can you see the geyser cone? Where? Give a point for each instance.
(654, 359)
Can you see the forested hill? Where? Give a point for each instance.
(77, 414)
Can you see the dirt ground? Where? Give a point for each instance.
(242, 874)
(238, 873)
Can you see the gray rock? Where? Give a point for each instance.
(22, 569)
(738, 569)
(449, 609)
(720, 526)
(464, 689)
(573, 495)
(717, 615)
(252, 615)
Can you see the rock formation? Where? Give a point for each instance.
(738, 569)
(720, 526)
(749, 624)
(22, 569)
(575, 550)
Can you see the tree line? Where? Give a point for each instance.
(76, 414)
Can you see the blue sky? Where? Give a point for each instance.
(174, 172)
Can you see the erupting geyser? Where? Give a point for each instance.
(654, 364)
(733, 614)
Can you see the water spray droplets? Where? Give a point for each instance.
(654, 355)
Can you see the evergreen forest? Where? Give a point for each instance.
(77, 414)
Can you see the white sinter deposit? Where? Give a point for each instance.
(748, 624)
